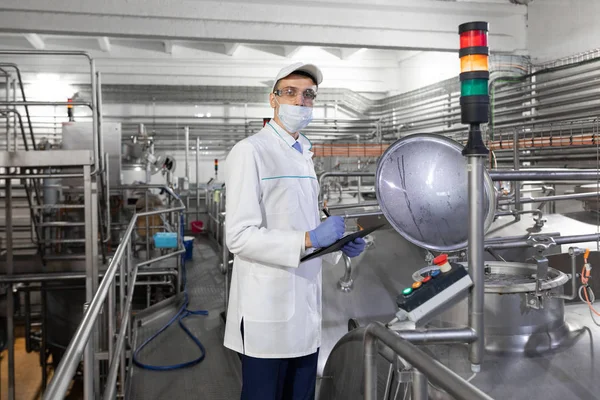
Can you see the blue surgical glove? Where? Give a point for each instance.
(354, 248)
(328, 232)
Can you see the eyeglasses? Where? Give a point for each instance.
(291, 92)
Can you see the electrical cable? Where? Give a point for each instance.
(182, 314)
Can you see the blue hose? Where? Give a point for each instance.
(182, 314)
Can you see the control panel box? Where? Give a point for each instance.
(435, 290)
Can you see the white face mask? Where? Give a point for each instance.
(294, 118)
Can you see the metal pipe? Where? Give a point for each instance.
(364, 214)
(419, 386)
(572, 196)
(476, 236)
(35, 175)
(573, 253)
(346, 282)
(197, 178)
(66, 369)
(439, 336)
(326, 175)
(343, 206)
(68, 276)
(535, 175)
(107, 171)
(516, 165)
(111, 380)
(560, 240)
(10, 307)
(163, 257)
(111, 319)
(439, 374)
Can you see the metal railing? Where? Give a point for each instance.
(438, 373)
(122, 264)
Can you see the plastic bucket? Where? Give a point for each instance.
(197, 226)
(188, 243)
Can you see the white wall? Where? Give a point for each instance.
(425, 68)
(560, 28)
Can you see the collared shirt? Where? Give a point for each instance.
(305, 144)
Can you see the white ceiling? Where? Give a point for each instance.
(377, 48)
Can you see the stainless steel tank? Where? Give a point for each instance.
(512, 323)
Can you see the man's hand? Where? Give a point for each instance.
(354, 248)
(327, 233)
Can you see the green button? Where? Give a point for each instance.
(407, 291)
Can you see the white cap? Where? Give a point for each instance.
(310, 69)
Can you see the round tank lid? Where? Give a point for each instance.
(421, 186)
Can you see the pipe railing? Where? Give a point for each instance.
(439, 374)
(122, 261)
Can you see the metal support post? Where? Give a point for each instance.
(88, 375)
(121, 311)
(197, 178)
(418, 387)
(9, 295)
(475, 168)
(516, 166)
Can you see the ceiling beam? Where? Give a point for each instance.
(35, 41)
(231, 48)
(347, 53)
(291, 51)
(104, 44)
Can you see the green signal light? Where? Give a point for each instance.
(474, 87)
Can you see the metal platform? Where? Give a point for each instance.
(218, 377)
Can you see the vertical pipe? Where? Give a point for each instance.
(359, 191)
(198, 178)
(94, 339)
(147, 230)
(516, 166)
(121, 310)
(8, 141)
(44, 344)
(418, 387)
(111, 319)
(97, 143)
(370, 370)
(187, 173)
(9, 298)
(129, 283)
(475, 170)
(179, 258)
(187, 151)
(14, 95)
(88, 373)
(106, 166)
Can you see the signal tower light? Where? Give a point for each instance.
(474, 72)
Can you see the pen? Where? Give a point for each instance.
(326, 213)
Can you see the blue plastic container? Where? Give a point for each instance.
(165, 240)
(188, 243)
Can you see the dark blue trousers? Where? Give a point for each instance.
(279, 378)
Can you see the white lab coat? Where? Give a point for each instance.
(272, 200)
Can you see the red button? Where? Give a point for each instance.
(441, 259)
(426, 279)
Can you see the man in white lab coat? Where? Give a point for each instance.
(272, 220)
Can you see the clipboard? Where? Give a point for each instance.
(340, 243)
